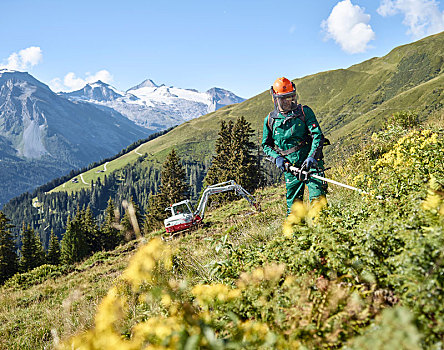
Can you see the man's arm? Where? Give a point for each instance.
(315, 132)
(267, 141)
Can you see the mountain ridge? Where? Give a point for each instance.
(152, 106)
(37, 125)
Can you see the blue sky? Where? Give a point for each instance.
(242, 46)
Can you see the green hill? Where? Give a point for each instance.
(365, 273)
(350, 104)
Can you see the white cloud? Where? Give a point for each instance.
(24, 59)
(348, 26)
(422, 17)
(71, 82)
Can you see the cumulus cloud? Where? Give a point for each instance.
(348, 26)
(422, 17)
(24, 59)
(71, 82)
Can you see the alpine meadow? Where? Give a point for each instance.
(85, 262)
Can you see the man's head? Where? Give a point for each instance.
(283, 93)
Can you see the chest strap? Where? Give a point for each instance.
(293, 149)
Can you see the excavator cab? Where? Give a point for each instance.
(183, 207)
(182, 216)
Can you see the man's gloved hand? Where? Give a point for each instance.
(309, 163)
(280, 163)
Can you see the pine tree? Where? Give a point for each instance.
(8, 256)
(90, 230)
(219, 170)
(74, 245)
(53, 255)
(243, 160)
(235, 157)
(31, 253)
(110, 234)
(173, 189)
(155, 213)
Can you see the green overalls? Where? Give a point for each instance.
(295, 139)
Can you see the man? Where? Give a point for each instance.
(292, 136)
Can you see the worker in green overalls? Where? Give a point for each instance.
(292, 136)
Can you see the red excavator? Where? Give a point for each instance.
(183, 216)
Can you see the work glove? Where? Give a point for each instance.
(309, 163)
(282, 163)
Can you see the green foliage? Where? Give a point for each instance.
(404, 120)
(74, 244)
(91, 230)
(31, 252)
(395, 329)
(174, 188)
(155, 213)
(8, 257)
(36, 276)
(110, 235)
(53, 254)
(234, 159)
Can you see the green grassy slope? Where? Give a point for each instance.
(35, 316)
(321, 284)
(349, 103)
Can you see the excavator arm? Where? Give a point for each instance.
(219, 188)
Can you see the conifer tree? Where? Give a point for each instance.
(219, 170)
(173, 189)
(90, 230)
(243, 160)
(32, 254)
(155, 213)
(8, 256)
(74, 245)
(235, 157)
(53, 255)
(110, 234)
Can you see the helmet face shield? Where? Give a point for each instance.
(285, 102)
(284, 95)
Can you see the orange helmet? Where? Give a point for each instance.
(282, 86)
(283, 93)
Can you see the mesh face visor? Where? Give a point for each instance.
(285, 102)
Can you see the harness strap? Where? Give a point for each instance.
(293, 149)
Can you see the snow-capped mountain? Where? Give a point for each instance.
(43, 136)
(155, 107)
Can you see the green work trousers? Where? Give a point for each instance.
(295, 189)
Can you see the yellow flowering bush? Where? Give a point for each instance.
(301, 213)
(175, 323)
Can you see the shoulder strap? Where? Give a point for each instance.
(270, 122)
(303, 114)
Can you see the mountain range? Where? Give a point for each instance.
(44, 135)
(152, 106)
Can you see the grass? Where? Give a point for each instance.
(37, 317)
(40, 316)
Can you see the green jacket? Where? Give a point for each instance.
(289, 131)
